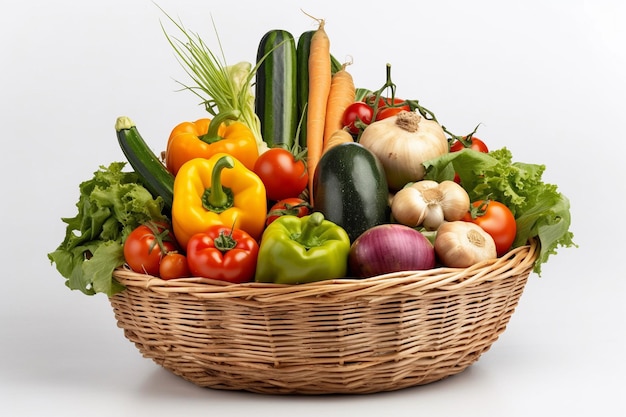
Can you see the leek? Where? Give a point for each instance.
(219, 86)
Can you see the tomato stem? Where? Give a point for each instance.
(290, 209)
(299, 153)
(465, 140)
(414, 105)
(479, 210)
(389, 85)
(161, 234)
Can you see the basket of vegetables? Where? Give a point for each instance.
(309, 237)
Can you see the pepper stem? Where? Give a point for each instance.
(218, 198)
(309, 236)
(212, 135)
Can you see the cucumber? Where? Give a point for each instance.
(155, 176)
(302, 55)
(275, 96)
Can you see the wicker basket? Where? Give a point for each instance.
(340, 336)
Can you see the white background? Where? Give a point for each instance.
(545, 78)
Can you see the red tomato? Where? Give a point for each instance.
(146, 245)
(496, 219)
(473, 143)
(223, 253)
(174, 265)
(357, 116)
(288, 206)
(386, 112)
(283, 174)
(383, 101)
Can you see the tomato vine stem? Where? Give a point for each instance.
(414, 105)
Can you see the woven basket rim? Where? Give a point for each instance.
(442, 278)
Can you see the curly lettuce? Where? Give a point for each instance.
(540, 210)
(110, 206)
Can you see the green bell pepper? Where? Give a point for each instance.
(296, 250)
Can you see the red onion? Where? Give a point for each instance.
(390, 248)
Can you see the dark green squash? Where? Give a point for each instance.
(350, 189)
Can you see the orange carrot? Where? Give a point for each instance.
(319, 89)
(342, 94)
(336, 138)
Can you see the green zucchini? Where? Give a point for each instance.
(302, 53)
(275, 95)
(155, 176)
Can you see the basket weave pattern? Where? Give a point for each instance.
(341, 336)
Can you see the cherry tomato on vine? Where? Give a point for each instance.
(386, 106)
(283, 173)
(383, 101)
(496, 219)
(289, 206)
(174, 265)
(357, 116)
(146, 245)
(471, 143)
(386, 112)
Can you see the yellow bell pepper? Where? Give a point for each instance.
(217, 190)
(204, 138)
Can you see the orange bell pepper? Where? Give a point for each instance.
(217, 190)
(205, 137)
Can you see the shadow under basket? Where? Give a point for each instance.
(329, 337)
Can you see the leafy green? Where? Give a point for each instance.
(110, 206)
(540, 210)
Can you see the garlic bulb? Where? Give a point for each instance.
(462, 244)
(402, 143)
(429, 203)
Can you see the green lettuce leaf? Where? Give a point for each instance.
(540, 210)
(110, 206)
